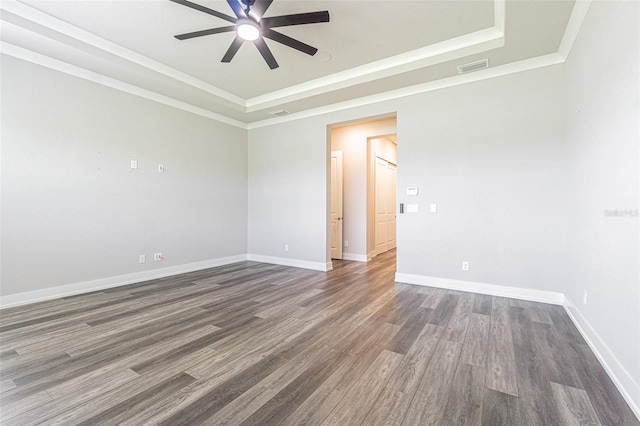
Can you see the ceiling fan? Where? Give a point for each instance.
(250, 25)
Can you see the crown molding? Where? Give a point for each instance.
(48, 62)
(34, 15)
(429, 53)
(512, 68)
(576, 19)
(468, 44)
(448, 50)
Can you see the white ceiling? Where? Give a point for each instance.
(369, 47)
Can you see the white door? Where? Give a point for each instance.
(336, 204)
(391, 206)
(385, 205)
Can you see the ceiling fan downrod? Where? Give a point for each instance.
(248, 3)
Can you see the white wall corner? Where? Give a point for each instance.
(532, 295)
(29, 297)
(296, 263)
(628, 387)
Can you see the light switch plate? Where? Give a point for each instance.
(412, 191)
(412, 208)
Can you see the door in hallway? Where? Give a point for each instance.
(385, 205)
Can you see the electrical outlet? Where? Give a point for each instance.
(465, 266)
(286, 247)
(134, 164)
(142, 258)
(584, 297)
(157, 257)
(346, 243)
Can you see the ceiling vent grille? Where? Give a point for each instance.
(279, 112)
(473, 66)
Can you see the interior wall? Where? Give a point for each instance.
(287, 184)
(491, 155)
(72, 208)
(352, 140)
(603, 134)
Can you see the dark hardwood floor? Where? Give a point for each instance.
(259, 344)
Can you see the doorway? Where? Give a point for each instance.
(351, 222)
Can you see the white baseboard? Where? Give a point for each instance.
(489, 289)
(628, 387)
(28, 297)
(296, 263)
(356, 257)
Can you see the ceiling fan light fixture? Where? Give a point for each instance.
(248, 30)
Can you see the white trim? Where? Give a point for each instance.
(579, 12)
(296, 263)
(500, 14)
(46, 61)
(356, 257)
(34, 15)
(541, 296)
(117, 281)
(511, 68)
(573, 27)
(628, 387)
(468, 44)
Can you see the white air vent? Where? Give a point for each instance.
(279, 112)
(473, 66)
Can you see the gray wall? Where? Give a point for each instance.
(491, 155)
(287, 190)
(73, 210)
(603, 134)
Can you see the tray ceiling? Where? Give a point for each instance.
(368, 48)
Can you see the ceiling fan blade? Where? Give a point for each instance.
(233, 49)
(205, 32)
(266, 53)
(205, 10)
(237, 9)
(295, 19)
(288, 41)
(260, 7)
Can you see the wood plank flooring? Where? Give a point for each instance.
(259, 344)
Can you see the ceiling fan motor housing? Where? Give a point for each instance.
(256, 27)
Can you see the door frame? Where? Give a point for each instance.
(329, 127)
